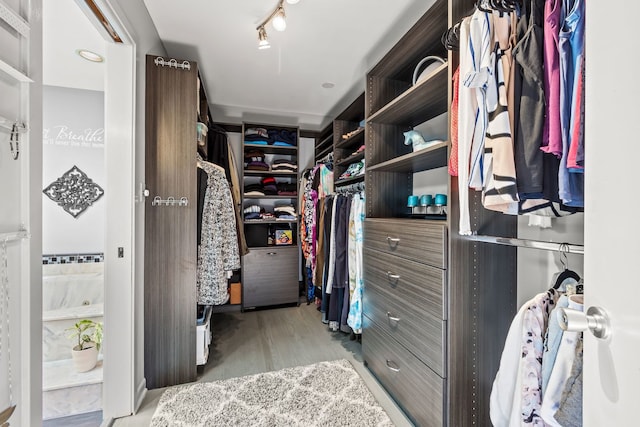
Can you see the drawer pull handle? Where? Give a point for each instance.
(390, 317)
(392, 366)
(393, 276)
(395, 240)
(272, 253)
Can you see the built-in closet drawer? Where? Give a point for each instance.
(270, 276)
(413, 385)
(417, 240)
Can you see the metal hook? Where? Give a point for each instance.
(15, 137)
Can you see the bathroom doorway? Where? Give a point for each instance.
(88, 190)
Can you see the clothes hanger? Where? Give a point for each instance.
(566, 273)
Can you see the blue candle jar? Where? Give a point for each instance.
(440, 200)
(426, 200)
(412, 201)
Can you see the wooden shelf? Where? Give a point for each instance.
(273, 149)
(351, 159)
(271, 197)
(349, 180)
(418, 104)
(429, 158)
(352, 140)
(324, 152)
(270, 221)
(327, 142)
(271, 173)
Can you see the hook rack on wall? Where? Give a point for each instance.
(169, 201)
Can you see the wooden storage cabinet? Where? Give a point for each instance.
(270, 277)
(270, 271)
(416, 388)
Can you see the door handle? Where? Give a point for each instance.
(393, 241)
(272, 253)
(392, 366)
(595, 319)
(390, 317)
(393, 276)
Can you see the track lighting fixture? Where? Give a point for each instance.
(263, 42)
(277, 19)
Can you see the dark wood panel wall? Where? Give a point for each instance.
(170, 231)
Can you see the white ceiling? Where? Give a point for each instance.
(333, 41)
(65, 30)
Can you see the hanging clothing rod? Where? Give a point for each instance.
(569, 248)
(13, 236)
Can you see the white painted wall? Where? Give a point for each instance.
(73, 135)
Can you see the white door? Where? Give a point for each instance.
(612, 229)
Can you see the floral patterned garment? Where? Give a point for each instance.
(534, 327)
(218, 252)
(356, 279)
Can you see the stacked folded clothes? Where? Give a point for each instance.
(253, 212)
(284, 165)
(354, 169)
(255, 160)
(254, 190)
(269, 185)
(285, 212)
(262, 136)
(285, 189)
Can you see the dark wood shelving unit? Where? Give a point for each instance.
(274, 149)
(349, 180)
(418, 104)
(270, 221)
(428, 158)
(270, 197)
(351, 159)
(356, 139)
(270, 173)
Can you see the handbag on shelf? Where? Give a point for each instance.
(433, 63)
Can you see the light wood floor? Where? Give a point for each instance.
(266, 340)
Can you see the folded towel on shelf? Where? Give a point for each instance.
(268, 180)
(252, 208)
(257, 166)
(285, 189)
(252, 215)
(262, 132)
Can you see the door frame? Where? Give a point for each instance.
(118, 390)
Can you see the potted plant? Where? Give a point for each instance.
(87, 336)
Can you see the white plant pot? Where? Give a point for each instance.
(85, 360)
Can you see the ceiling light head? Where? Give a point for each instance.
(263, 42)
(89, 55)
(292, 1)
(328, 85)
(279, 23)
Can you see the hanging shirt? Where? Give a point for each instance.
(561, 369)
(218, 251)
(467, 116)
(552, 135)
(571, 47)
(516, 395)
(356, 266)
(480, 38)
(499, 192)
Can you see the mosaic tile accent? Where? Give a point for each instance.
(74, 191)
(72, 258)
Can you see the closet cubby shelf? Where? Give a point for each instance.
(351, 159)
(418, 104)
(270, 173)
(352, 140)
(349, 180)
(327, 142)
(322, 154)
(271, 197)
(273, 149)
(270, 221)
(429, 158)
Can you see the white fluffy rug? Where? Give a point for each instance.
(322, 394)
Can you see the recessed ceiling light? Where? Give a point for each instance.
(89, 55)
(328, 85)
